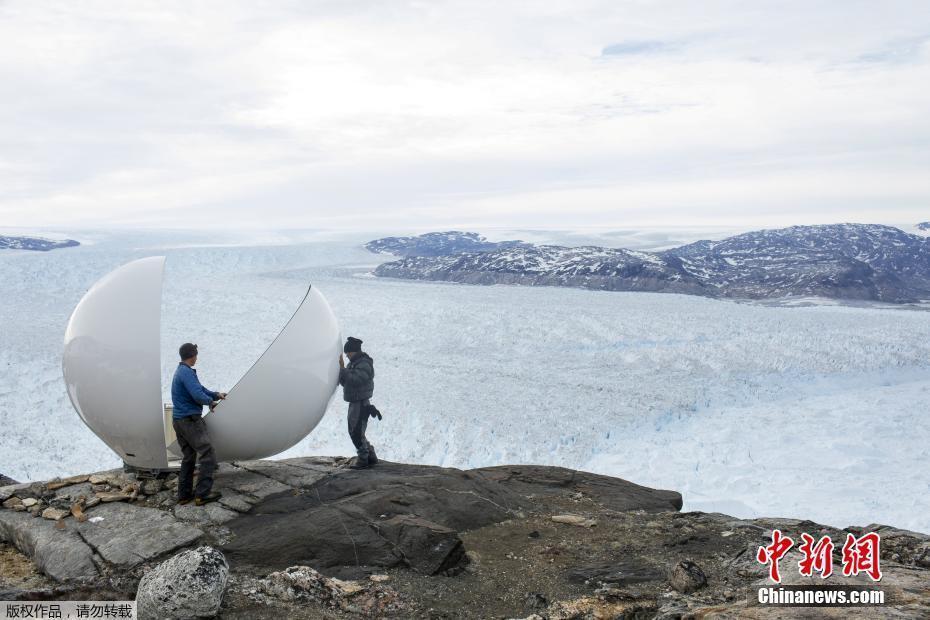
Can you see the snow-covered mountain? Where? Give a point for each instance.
(845, 261)
(438, 244)
(34, 243)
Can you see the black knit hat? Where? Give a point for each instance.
(187, 350)
(353, 345)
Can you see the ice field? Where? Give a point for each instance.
(817, 412)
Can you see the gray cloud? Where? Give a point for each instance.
(632, 48)
(559, 114)
(907, 50)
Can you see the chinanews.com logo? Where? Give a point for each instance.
(859, 556)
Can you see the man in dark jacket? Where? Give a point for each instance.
(188, 397)
(358, 384)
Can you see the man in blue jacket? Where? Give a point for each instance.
(188, 397)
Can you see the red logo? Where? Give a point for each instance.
(817, 557)
(773, 553)
(860, 555)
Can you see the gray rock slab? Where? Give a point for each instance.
(322, 464)
(9, 490)
(247, 483)
(287, 473)
(235, 501)
(129, 535)
(60, 554)
(21, 490)
(427, 547)
(613, 493)
(622, 573)
(210, 513)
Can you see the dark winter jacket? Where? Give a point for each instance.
(358, 378)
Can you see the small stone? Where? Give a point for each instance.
(29, 502)
(77, 510)
(574, 520)
(534, 534)
(14, 503)
(54, 514)
(379, 578)
(58, 483)
(535, 600)
(97, 479)
(922, 555)
(686, 577)
(90, 503)
(113, 496)
(151, 487)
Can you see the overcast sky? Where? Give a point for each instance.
(425, 115)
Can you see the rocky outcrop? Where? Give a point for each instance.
(308, 537)
(844, 261)
(189, 585)
(408, 515)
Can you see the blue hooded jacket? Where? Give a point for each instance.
(188, 396)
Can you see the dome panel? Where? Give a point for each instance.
(111, 362)
(285, 393)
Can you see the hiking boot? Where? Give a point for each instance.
(360, 465)
(372, 457)
(209, 497)
(185, 501)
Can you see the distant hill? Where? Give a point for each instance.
(843, 261)
(34, 243)
(438, 244)
(923, 226)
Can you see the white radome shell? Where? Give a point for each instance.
(112, 369)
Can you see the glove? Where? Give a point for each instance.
(373, 412)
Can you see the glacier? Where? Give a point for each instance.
(817, 411)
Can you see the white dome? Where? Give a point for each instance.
(112, 369)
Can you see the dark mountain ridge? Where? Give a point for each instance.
(34, 243)
(843, 261)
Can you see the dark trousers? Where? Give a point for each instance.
(358, 424)
(195, 443)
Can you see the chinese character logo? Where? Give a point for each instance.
(860, 555)
(773, 553)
